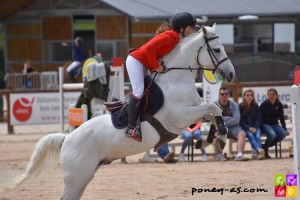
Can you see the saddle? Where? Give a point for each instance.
(151, 104)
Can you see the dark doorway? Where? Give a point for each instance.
(88, 42)
(84, 27)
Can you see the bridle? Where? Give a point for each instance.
(211, 55)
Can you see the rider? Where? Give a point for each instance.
(78, 56)
(147, 57)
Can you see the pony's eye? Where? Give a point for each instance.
(216, 50)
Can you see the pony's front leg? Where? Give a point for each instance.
(217, 126)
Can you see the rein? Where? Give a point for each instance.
(211, 55)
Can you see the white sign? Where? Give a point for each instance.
(284, 93)
(210, 91)
(39, 108)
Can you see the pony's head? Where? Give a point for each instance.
(211, 54)
(201, 49)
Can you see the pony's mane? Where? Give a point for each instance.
(194, 40)
(211, 32)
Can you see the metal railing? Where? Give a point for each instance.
(43, 80)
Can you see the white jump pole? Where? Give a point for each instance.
(63, 86)
(72, 86)
(296, 132)
(61, 99)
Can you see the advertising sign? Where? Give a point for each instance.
(211, 87)
(39, 108)
(284, 93)
(75, 116)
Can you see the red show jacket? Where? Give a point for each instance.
(150, 53)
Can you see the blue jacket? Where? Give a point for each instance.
(270, 114)
(251, 119)
(78, 53)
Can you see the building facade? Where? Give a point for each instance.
(36, 30)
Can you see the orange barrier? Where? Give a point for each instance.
(75, 116)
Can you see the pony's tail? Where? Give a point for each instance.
(45, 153)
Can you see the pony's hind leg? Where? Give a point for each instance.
(76, 178)
(75, 186)
(73, 190)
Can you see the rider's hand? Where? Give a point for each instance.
(160, 69)
(64, 44)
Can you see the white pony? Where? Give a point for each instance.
(97, 142)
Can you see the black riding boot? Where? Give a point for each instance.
(133, 110)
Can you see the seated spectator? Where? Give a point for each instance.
(28, 69)
(271, 111)
(231, 115)
(250, 122)
(190, 133)
(164, 153)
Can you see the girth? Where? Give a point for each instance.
(165, 136)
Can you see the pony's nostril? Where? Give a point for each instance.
(231, 75)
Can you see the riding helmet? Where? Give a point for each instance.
(79, 40)
(182, 20)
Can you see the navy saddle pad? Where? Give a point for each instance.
(155, 102)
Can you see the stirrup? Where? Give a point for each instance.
(134, 133)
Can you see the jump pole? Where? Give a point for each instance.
(61, 98)
(296, 132)
(63, 87)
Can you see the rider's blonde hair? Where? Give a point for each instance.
(163, 27)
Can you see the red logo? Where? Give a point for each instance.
(280, 191)
(22, 109)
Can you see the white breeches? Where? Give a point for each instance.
(72, 66)
(136, 72)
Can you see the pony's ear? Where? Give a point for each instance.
(215, 27)
(204, 31)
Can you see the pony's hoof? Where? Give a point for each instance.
(223, 130)
(198, 144)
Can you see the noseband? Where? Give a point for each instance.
(211, 55)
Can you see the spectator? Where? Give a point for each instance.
(250, 122)
(291, 74)
(28, 69)
(271, 111)
(231, 115)
(164, 153)
(190, 133)
(77, 59)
